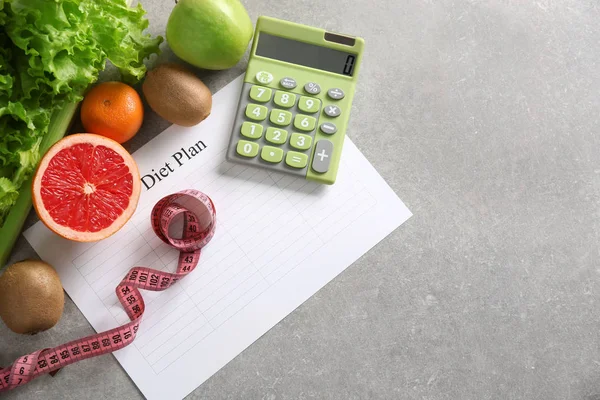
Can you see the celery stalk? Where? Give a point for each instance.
(59, 124)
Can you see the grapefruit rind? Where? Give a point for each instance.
(65, 231)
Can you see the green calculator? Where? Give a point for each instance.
(296, 99)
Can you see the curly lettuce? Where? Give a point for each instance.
(51, 51)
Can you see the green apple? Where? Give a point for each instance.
(210, 34)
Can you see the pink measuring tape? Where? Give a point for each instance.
(49, 361)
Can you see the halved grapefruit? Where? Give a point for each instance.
(86, 187)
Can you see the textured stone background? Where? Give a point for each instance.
(483, 116)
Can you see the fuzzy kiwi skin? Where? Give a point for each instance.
(31, 297)
(177, 95)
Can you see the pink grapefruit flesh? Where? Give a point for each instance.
(86, 187)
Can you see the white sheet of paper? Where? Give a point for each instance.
(279, 239)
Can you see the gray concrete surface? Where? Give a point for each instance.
(484, 118)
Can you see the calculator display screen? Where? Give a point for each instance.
(306, 54)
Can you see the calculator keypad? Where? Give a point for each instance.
(278, 126)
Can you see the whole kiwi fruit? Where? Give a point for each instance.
(177, 94)
(31, 297)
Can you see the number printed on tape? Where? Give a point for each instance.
(194, 238)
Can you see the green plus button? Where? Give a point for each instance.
(256, 112)
(260, 94)
(252, 131)
(247, 149)
(309, 105)
(296, 160)
(271, 154)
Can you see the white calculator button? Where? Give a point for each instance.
(264, 77)
(312, 88)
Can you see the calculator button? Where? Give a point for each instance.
(309, 104)
(271, 154)
(264, 77)
(300, 141)
(288, 83)
(275, 135)
(281, 117)
(336, 94)
(296, 160)
(283, 99)
(260, 94)
(312, 88)
(304, 123)
(247, 149)
(332, 111)
(256, 112)
(322, 157)
(252, 131)
(328, 128)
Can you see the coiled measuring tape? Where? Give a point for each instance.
(49, 361)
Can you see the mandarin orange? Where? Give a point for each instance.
(113, 110)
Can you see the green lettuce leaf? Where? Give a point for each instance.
(51, 51)
(8, 195)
